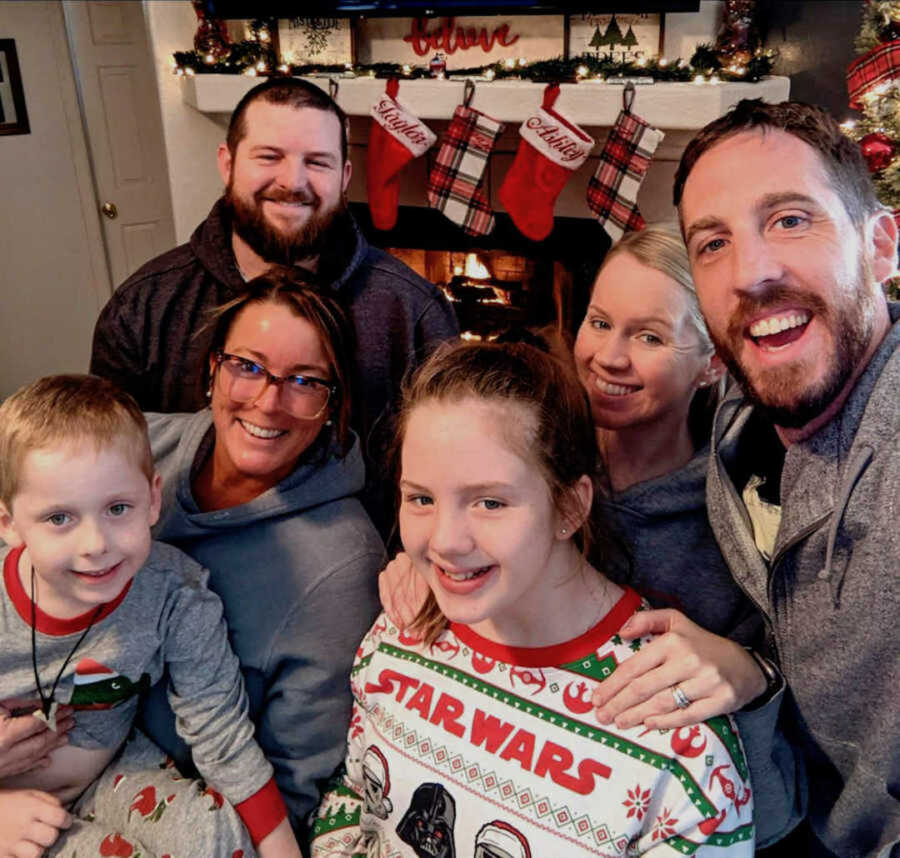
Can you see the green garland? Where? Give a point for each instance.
(260, 56)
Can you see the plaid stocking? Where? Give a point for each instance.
(612, 190)
(456, 183)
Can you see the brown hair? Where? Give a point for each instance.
(560, 437)
(66, 408)
(289, 91)
(844, 165)
(319, 305)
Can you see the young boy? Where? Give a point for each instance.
(91, 613)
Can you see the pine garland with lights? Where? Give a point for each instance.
(252, 57)
(256, 56)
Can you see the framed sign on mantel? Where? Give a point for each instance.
(326, 40)
(623, 37)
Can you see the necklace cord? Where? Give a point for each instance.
(47, 702)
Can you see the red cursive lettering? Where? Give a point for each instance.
(449, 38)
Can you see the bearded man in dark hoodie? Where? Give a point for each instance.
(286, 171)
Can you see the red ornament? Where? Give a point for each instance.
(211, 38)
(878, 150)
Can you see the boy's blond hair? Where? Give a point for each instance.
(62, 409)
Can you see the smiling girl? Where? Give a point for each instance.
(475, 736)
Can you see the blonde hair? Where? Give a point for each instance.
(661, 247)
(66, 408)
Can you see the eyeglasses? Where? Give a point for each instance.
(244, 380)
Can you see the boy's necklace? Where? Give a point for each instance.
(49, 706)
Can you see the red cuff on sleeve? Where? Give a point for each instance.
(263, 811)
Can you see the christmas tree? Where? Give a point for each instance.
(873, 82)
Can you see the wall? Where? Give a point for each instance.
(685, 30)
(191, 137)
(53, 276)
(815, 46)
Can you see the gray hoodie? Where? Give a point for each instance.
(677, 564)
(296, 569)
(832, 595)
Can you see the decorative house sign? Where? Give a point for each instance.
(622, 36)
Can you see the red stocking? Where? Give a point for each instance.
(395, 138)
(550, 151)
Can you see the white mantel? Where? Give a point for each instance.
(669, 106)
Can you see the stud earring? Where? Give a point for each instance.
(329, 422)
(564, 531)
(209, 392)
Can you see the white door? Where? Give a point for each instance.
(120, 105)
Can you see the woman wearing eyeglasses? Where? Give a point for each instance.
(259, 488)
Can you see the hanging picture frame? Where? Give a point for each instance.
(13, 114)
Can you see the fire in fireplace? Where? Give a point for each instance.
(502, 280)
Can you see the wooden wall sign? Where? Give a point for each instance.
(464, 41)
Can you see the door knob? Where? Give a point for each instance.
(110, 210)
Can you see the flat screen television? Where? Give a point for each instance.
(312, 8)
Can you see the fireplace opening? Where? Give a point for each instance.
(502, 280)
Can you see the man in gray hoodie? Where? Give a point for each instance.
(789, 247)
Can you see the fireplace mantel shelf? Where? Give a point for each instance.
(685, 106)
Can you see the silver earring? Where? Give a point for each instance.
(209, 392)
(329, 422)
(564, 531)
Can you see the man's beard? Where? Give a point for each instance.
(783, 393)
(272, 244)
